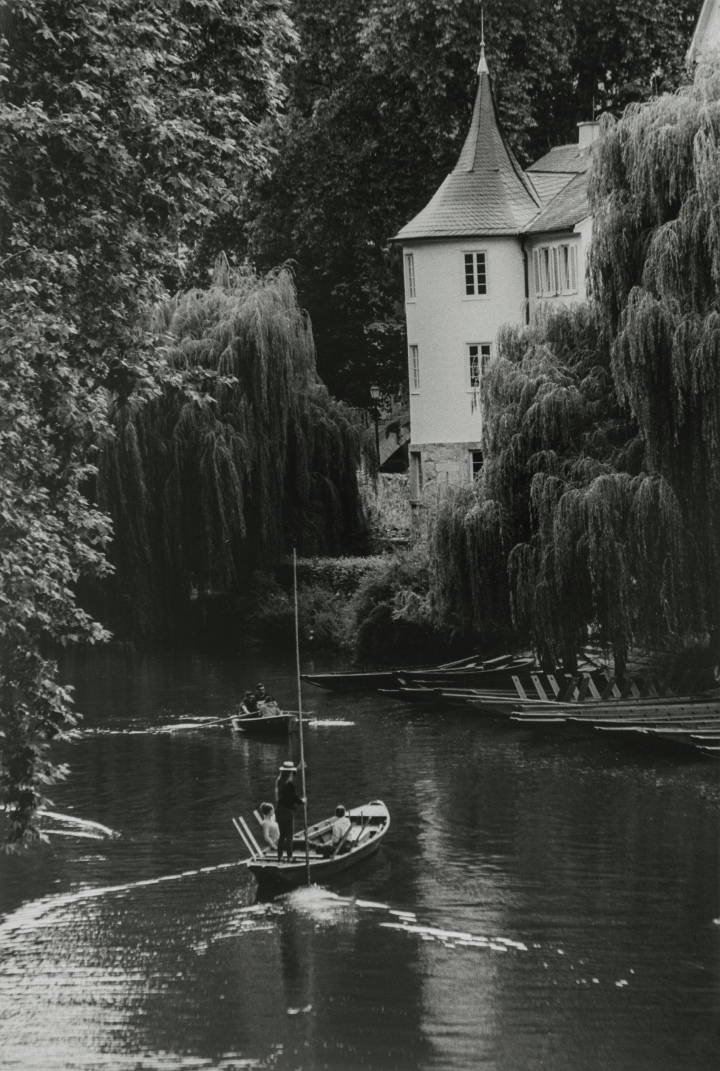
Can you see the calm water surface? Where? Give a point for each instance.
(544, 899)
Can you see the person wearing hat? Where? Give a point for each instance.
(286, 799)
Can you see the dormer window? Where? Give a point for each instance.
(475, 274)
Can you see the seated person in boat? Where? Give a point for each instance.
(339, 828)
(266, 704)
(246, 708)
(270, 828)
(248, 705)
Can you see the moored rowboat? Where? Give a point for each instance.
(368, 826)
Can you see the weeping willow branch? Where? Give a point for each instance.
(242, 454)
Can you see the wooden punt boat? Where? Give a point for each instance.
(268, 725)
(495, 673)
(352, 682)
(368, 826)
(492, 678)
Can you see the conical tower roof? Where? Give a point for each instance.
(487, 192)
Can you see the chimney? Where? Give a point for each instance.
(587, 133)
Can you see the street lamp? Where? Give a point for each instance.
(375, 395)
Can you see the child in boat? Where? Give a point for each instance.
(270, 828)
(267, 706)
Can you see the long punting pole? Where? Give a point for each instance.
(300, 720)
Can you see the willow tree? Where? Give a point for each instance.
(544, 560)
(656, 276)
(240, 455)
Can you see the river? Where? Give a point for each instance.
(545, 899)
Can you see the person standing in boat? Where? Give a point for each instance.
(286, 799)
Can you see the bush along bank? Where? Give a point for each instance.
(377, 609)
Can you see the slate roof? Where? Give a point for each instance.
(566, 209)
(569, 159)
(487, 192)
(548, 183)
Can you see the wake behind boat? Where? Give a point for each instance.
(368, 826)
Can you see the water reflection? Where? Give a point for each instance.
(540, 901)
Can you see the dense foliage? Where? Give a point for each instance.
(124, 128)
(230, 465)
(598, 506)
(380, 99)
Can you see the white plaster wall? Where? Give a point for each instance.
(581, 238)
(707, 32)
(441, 321)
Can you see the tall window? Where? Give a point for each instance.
(410, 275)
(478, 356)
(414, 368)
(475, 274)
(476, 463)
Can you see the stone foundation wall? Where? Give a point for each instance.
(441, 466)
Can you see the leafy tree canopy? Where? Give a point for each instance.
(125, 126)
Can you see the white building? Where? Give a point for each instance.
(493, 244)
(706, 38)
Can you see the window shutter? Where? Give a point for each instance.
(555, 275)
(573, 267)
(536, 273)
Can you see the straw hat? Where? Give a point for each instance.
(288, 766)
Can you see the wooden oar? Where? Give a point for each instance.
(201, 724)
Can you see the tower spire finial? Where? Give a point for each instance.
(482, 65)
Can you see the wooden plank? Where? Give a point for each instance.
(518, 687)
(570, 690)
(538, 686)
(592, 687)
